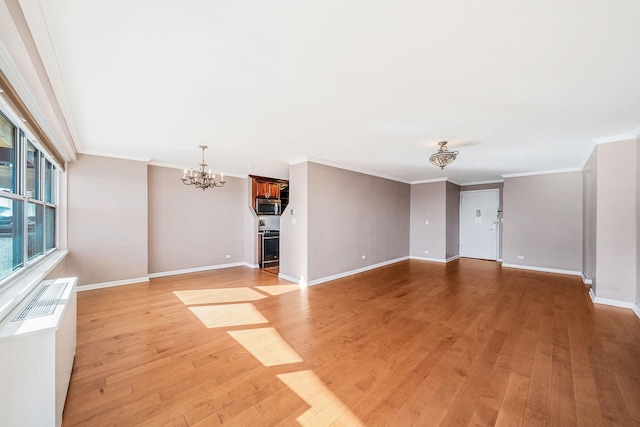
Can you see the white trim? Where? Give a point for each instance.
(114, 283)
(16, 78)
(497, 181)
(584, 162)
(548, 172)
(585, 280)
(344, 167)
(613, 302)
(452, 258)
(634, 134)
(198, 269)
(341, 275)
(429, 181)
(636, 309)
(183, 167)
(545, 269)
(32, 11)
(114, 155)
(424, 258)
(22, 282)
(288, 278)
(356, 271)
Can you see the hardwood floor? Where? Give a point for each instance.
(413, 343)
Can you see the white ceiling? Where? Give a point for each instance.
(515, 86)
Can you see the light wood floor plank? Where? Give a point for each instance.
(413, 343)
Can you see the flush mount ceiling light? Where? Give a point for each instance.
(443, 157)
(202, 178)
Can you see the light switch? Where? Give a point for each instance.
(293, 221)
(426, 222)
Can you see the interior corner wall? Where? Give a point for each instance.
(251, 255)
(453, 220)
(616, 221)
(428, 203)
(543, 221)
(190, 228)
(107, 218)
(294, 246)
(589, 214)
(638, 223)
(354, 215)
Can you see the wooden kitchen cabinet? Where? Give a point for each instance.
(267, 189)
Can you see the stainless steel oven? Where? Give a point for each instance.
(270, 249)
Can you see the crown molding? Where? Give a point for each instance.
(633, 134)
(429, 181)
(183, 167)
(341, 166)
(495, 181)
(114, 156)
(32, 12)
(547, 172)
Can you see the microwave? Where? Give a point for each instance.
(268, 206)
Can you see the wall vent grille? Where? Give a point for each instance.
(44, 302)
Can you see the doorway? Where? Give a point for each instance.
(480, 224)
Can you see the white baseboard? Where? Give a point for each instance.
(544, 269)
(585, 280)
(341, 275)
(111, 284)
(198, 269)
(424, 258)
(614, 303)
(163, 274)
(452, 258)
(289, 278)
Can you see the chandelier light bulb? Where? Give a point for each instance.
(202, 178)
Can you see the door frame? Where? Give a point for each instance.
(498, 220)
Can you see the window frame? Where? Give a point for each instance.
(39, 201)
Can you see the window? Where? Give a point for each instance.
(28, 193)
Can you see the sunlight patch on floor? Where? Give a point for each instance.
(219, 316)
(325, 407)
(218, 296)
(266, 345)
(278, 289)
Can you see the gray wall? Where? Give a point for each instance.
(294, 247)
(107, 219)
(191, 228)
(638, 223)
(453, 220)
(616, 221)
(543, 221)
(428, 203)
(351, 214)
(589, 203)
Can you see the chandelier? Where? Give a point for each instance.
(202, 178)
(443, 157)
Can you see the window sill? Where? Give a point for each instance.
(20, 286)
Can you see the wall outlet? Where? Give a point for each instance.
(426, 252)
(426, 222)
(228, 256)
(293, 221)
(364, 257)
(520, 256)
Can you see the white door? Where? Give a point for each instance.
(479, 224)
